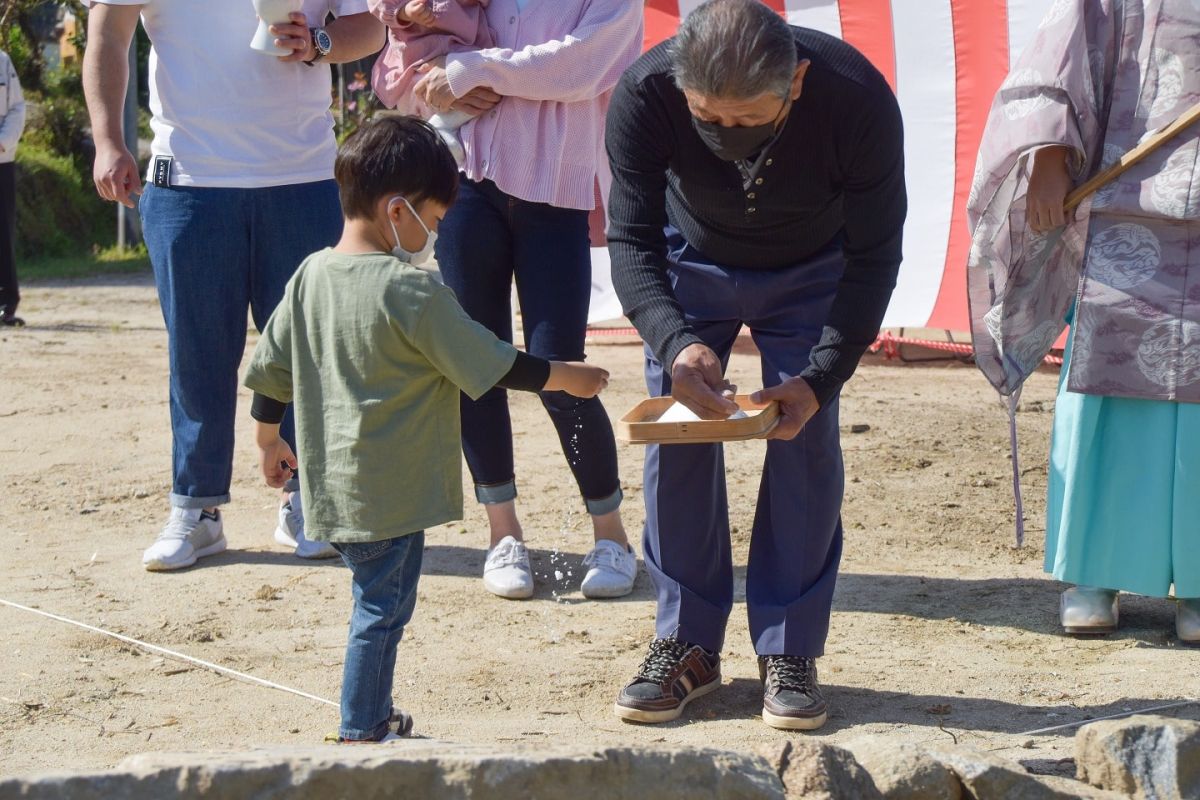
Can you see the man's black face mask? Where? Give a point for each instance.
(740, 141)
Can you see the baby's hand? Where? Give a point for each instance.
(418, 11)
(577, 378)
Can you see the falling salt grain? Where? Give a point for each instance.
(558, 576)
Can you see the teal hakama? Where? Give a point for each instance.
(1123, 510)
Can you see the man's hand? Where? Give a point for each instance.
(116, 174)
(1049, 184)
(797, 405)
(697, 380)
(419, 12)
(294, 35)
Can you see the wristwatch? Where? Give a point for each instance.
(322, 44)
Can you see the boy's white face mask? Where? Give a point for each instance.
(421, 256)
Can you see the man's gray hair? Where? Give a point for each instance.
(734, 49)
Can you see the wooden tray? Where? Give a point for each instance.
(641, 426)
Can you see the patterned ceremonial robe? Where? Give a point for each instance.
(1099, 77)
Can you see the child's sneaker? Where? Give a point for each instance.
(399, 726)
(507, 573)
(290, 531)
(190, 534)
(611, 570)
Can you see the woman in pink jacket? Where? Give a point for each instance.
(531, 159)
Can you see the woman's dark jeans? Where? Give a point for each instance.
(487, 240)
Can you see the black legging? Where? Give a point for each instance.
(486, 240)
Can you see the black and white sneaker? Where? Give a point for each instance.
(190, 534)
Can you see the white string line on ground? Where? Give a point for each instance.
(272, 685)
(1119, 715)
(153, 648)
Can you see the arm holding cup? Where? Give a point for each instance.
(353, 36)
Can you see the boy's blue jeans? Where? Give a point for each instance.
(384, 585)
(217, 252)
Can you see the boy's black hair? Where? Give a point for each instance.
(389, 155)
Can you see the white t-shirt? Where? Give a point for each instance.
(228, 115)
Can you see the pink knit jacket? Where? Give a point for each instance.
(556, 63)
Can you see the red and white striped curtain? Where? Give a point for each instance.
(945, 59)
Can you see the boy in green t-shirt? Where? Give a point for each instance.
(373, 352)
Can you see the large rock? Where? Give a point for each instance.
(905, 771)
(988, 777)
(420, 769)
(1152, 757)
(816, 771)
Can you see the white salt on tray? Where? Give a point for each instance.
(678, 412)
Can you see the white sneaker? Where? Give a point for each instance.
(611, 570)
(290, 531)
(190, 533)
(507, 573)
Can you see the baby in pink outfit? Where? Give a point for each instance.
(419, 31)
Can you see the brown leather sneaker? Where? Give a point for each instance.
(673, 674)
(792, 699)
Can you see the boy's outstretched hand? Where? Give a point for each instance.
(576, 378)
(275, 457)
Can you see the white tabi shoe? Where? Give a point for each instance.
(1187, 620)
(1088, 610)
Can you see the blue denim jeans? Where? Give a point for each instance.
(486, 241)
(796, 542)
(384, 584)
(217, 252)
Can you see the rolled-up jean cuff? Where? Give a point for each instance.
(605, 505)
(492, 493)
(355, 735)
(183, 501)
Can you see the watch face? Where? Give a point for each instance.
(324, 43)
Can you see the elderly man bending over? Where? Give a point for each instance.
(758, 180)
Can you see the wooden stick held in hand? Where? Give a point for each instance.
(1135, 155)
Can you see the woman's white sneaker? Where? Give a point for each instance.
(507, 573)
(612, 570)
(190, 534)
(290, 531)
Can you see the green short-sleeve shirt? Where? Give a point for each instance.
(373, 352)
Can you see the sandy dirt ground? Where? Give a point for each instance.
(941, 630)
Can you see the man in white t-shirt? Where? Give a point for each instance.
(239, 190)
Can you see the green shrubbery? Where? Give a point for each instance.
(57, 214)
